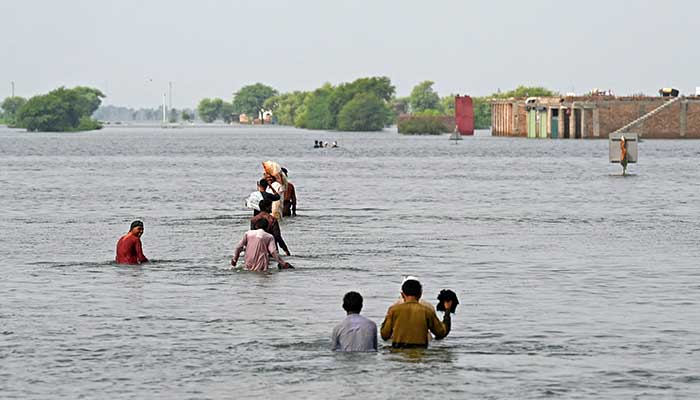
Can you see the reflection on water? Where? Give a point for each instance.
(574, 281)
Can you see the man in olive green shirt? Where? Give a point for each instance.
(407, 324)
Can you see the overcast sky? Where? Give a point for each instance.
(130, 49)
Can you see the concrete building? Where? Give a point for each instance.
(598, 116)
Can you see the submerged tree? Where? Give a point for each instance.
(209, 109)
(61, 110)
(250, 99)
(365, 112)
(10, 106)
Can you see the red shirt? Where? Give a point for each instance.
(129, 250)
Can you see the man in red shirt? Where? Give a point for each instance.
(129, 249)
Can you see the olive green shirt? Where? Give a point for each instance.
(408, 324)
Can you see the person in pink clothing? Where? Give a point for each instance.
(259, 246)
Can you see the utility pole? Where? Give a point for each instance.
(13, 88)
(170, 104)
(164, 110)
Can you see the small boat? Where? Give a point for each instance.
(456, 136)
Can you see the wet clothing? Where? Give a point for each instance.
(273, 228)
(290, 201)
(355, 333)
(277, 205)
(407, 325)
(623, 154)
(129, 250)
(265, 195)
(259, 246)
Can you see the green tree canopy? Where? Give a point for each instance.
(525, 91)
(227, 112)
(10, 106)
(250, 99)
(447, 104)
(380, 87)
(186, 116)
(61, 110)
(88, 99)
(286, 106)
(209, 109)
(423, 97)
(315, 112)
(365, 112)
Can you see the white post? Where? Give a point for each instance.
(164, 109)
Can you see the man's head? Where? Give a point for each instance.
(265, 205)
(136, 228)
(262, 185)
(261, 224)
(411, 288)
(352, 302)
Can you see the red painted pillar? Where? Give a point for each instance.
(464, 115)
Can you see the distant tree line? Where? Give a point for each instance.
(361, 105)
(112, 113)
(61, 110)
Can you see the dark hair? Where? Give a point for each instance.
(265, 204)
(447, 295)
(262, 183)
(285, 171)
(261, 224)
(135, 224)
(412, 288)
(352, 302)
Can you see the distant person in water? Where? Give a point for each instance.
(129, 249)
(289, 207)
(316, 144)
(623, 155)
(273, 226)
(355, 333)
(334, 145)
(259, 246)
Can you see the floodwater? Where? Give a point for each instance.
(575, 282)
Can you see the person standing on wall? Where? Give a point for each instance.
(623, 155)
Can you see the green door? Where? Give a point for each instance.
(543, 124)
(555, 126)
(532, 123)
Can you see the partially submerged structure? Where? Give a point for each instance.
(597, 116)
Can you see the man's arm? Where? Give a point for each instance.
(274, 196)
(334, 339)
(440, 329)
(374, 336)
(278, 237)
(140, 258)
(272, 249)
(388, 325)
(239, 248)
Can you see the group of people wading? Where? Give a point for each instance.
(260, 242)
(410, 322)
